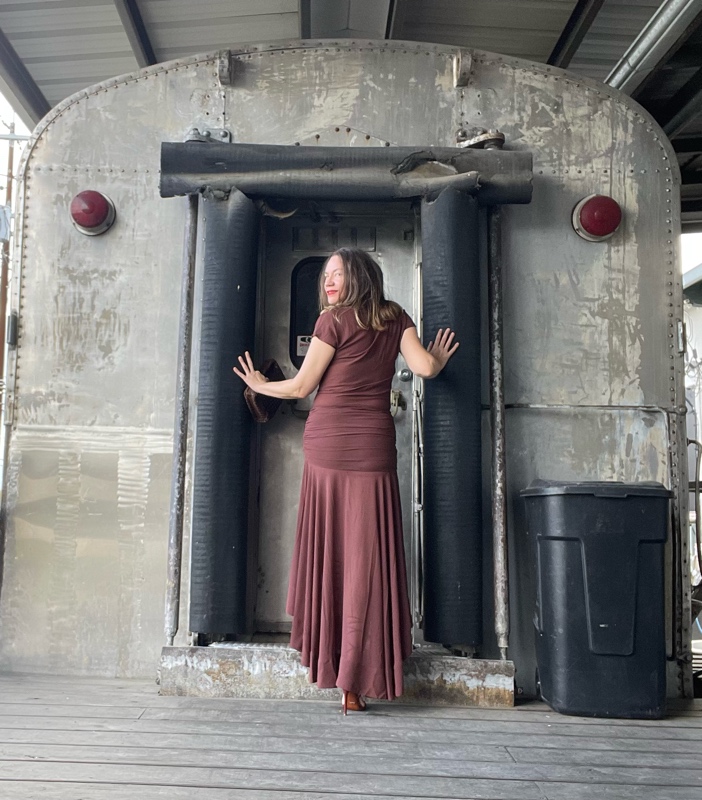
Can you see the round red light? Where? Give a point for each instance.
(92, 212)
(597, 217)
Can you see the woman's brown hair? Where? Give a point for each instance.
(363, 290)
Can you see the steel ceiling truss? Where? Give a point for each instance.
(134, 27)
(20, 82)
(579, 23)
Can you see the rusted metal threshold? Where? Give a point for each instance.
(432, 676)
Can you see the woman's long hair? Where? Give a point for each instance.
(363, 290)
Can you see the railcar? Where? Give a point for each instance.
(170, 218)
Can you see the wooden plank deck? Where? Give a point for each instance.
(83, 738)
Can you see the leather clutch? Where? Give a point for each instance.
(261, 406)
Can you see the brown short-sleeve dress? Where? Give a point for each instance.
(348, 582)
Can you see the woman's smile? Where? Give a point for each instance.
(334, 280)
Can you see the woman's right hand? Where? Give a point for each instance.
(443, 347)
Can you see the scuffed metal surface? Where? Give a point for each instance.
(84, 565)
(274, 671)
(245, 670)
(176, 515)
(92, 382)
(497, 433)
(444, 680)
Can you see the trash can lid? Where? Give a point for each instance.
(598, 488)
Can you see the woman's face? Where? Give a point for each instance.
(334, 280)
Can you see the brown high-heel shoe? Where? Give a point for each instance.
(351, 702)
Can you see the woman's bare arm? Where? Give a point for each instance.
(303, 384)
(427, 362)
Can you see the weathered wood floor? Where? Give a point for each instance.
(85, 738)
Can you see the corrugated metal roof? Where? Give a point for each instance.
(616, 26)
(521, 29)
(183, 27)
(67, 45)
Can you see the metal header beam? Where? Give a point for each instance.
(574, 32)
(20, 83)
(344, 173)
(135, 29)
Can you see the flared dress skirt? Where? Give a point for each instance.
(348, 582)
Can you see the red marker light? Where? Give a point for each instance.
(92, 213)
(596, 217)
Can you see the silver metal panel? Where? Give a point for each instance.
(281, 457)
(84, 568)
(354, 91)
(590, 327)
(97, 359)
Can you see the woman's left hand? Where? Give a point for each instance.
(251, 377)
(443, 347)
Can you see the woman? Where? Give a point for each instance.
(348, 584)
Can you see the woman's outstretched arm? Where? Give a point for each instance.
(427, 362)
(303, 384)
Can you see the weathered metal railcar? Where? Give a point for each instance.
(460, 171)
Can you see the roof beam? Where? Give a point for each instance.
(20, 84)
(389, 26)
(692, 177)
(304, 11)
(135, 29)
(691, 206)
(685, 104)
(688, 144)
(663, 35)
(574, 32)
(397, 15)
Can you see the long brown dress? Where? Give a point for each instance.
(348, 583)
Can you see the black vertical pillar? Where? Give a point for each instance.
(452, 464)
(223, 427)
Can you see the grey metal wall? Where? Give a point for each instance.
(591, 329)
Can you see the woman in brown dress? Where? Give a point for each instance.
(348, 583)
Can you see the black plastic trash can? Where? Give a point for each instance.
(600, 618)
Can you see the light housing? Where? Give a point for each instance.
(92, 212)
(597, 217)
